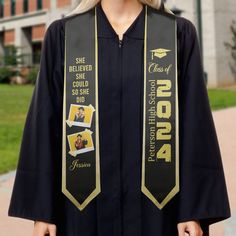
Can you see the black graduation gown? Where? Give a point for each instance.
(121, 209)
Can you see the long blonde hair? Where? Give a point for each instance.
(86, 5)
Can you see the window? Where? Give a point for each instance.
(10, 57)
(13, 7)
(39, 5)
(25, 7)
(1, 8)
(36, 47)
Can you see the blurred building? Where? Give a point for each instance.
(217, 15)
(23, 24)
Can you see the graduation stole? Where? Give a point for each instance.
(80, 147)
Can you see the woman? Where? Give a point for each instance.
(120, 208)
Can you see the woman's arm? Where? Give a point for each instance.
(36, 188)
(203, 193)
(44, 229)
(193, 228)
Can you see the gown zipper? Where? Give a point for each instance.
(121, 151)
(120, 43)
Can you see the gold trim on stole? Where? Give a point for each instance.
(143, 187)
(97, 190)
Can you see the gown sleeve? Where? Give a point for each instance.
(203, 192)
(36, 182)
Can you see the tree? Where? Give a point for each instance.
(232, 47)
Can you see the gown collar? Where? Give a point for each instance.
(105, 29)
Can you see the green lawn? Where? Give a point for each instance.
(222, 98)
(14, 103)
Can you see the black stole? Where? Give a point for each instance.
(160, 150)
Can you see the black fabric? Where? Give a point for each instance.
(121, 209)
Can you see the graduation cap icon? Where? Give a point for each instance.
(159, 52)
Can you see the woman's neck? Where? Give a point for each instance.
(121, 13)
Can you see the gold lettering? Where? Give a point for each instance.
(80, 76)
(164, 109)
(75, 165)
(155, 68)
(80, 68)
(80, 84)
(80, 99)
(163, 89)
(163, 131)
(80, 60)
(164, 152)
(84, 91)
(75, 92)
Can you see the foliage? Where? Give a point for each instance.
(5, 74)
(10, 57)
(232, 47)
(32, 76)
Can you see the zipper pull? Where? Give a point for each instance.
(120, 43)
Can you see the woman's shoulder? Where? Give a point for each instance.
(185, 28)
(57, 26)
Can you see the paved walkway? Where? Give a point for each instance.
(225, 121)
(11, 226)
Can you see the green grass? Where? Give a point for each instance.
(222, 98)
(14, 103)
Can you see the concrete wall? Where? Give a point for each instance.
(209, 42)
(188, 7)
(217, 16)
(225, 12)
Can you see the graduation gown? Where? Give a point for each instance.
(121, 209)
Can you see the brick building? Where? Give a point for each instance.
(23, 24)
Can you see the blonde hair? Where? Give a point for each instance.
(86, 5)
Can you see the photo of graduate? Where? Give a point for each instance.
(79, 115)
(80, 142)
